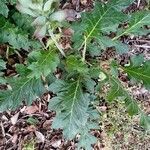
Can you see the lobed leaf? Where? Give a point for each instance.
(75, 64)
(2, 67)
(44, 63)
(145, 121)
(120, 4)
(86, 139)
(71, 106)
(140, 73)
(137, 21)
(23, 89)
(3, 8)
(2, 64)
(136, 24)
(14, 36)
(117, 90)
(104, 18)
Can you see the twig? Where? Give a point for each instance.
(3, 130)
(142, 46)
(139, 40)
(138, 3)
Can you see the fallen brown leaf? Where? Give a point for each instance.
(40, 137)
(56, 144)
(31, 109)
(14, 118)
(14, 138)
(31, 128)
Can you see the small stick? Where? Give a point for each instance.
(142, 46)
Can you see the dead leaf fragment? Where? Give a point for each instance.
(14, 118)
(56, 144)
(103, 108)
(14, 138)
(40, 136)
(84, 2)
(31, 109)
(47, 124)
(4, 118)
(31, 128)
(68, 32)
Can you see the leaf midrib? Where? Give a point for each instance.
(127, 31)
(45, 59)
(137, 73)
(21, 87)
(139, 22)
(118, 87)
(73, 103)
(97, 24)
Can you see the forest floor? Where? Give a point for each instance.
(29, 127)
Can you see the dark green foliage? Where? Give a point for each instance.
(17, 35)
(71, 105)
(23, 88)
(140, 73)
(3, 8)
(2, 67)
(44, 63)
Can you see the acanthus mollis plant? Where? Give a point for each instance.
(82, 76)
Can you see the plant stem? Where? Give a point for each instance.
(84, 49)
(56, 43)
(118, 36)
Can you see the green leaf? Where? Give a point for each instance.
(86, 139)
(94, 49)
(136, 23)
(22, 70)
(13, 2)
(121, 47)
(45, 62)
(13, 36)
(138, 20)
(114, 68)
(17, 37)
(57, 86)
(32, 121)
(132, 107)
(3, 8)
(106, 42)
(145, 121)
(94, 23)
(89, 84)
(140, 73)
(2, 67)
(137, 60)
(120, 4)
(75, 64)
(2, 64)
(76, 122)
(23, 21)
(117, 90)
(23, 89)
(2, 80)
(71, 106)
